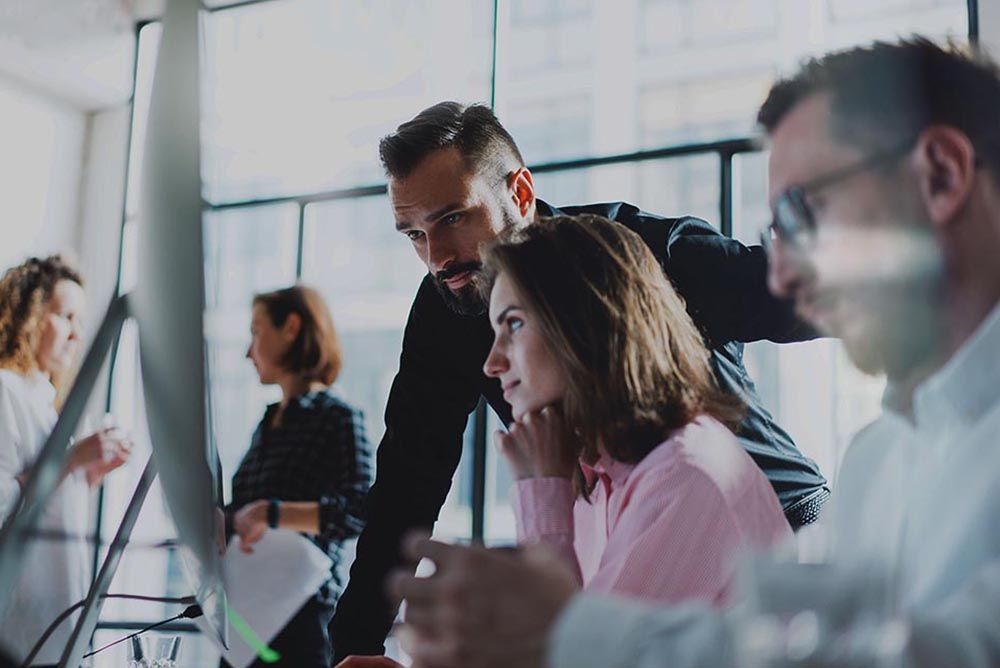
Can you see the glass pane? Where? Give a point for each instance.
(368, 273)
(673, 187)
(500, 529)
(580, 78)
(751, 213)
(247, 250)
(290, 106)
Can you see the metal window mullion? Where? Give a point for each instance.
(973, 10)
(726, 193)
(299, 250)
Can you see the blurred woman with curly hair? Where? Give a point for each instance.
(41, 306)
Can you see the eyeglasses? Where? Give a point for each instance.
(794, 221)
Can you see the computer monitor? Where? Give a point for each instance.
(169, 302)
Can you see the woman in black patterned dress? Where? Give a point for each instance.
(308, 468)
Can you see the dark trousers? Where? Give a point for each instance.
(304, 642)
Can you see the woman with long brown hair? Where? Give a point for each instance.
(41, 307)
(620, 443)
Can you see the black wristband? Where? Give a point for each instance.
(273, 513)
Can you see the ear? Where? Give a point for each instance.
(293, 325)
(945, 161)
(522, 190)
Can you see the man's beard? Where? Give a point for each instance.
(471, 299)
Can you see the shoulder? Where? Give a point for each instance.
(11, 381)
(632, 216)
(329, 403)
(13, 388)
(872, 448)
(334, 421)
(704, 452)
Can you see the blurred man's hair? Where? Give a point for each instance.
(885, 94)
(472, 129)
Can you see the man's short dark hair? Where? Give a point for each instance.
(887, 93)
(473, 129)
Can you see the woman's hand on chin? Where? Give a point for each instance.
(536, 446)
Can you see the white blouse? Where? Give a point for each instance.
(54, 573)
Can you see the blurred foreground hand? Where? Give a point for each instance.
(481, 608)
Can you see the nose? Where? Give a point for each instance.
(496, 362)
(440, 253)
(785, 269)
(249, 354)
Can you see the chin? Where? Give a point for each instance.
(865, 358)
(520, 410)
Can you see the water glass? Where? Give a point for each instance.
(153, 651)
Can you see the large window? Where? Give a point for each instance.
(298, 92)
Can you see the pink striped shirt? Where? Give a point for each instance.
(666, 529)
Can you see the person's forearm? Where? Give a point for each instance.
(543, 513)
(301, 516)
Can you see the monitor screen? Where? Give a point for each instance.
(169, 302)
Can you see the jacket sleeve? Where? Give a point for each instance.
(425, 418)
(725, 286)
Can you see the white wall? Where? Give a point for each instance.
(102, 193)
(41, 156)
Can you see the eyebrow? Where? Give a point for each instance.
(503, 313)
(402, 226)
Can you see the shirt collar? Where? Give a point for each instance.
(617, 472)
(965, 387)
(312, 397)
(545, 209)
(40, 384)
(305, 400)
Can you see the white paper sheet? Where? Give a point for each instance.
(266, 588)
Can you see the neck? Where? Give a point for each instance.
(974, 274)
(293, 386)
(971, 294)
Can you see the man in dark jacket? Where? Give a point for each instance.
(456, 181)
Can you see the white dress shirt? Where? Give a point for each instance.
(918, 495)
(54, 573)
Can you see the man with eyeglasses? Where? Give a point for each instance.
(885, 187)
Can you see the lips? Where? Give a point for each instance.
(507, 387)
(459, 280)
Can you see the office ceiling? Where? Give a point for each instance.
(78, 51)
